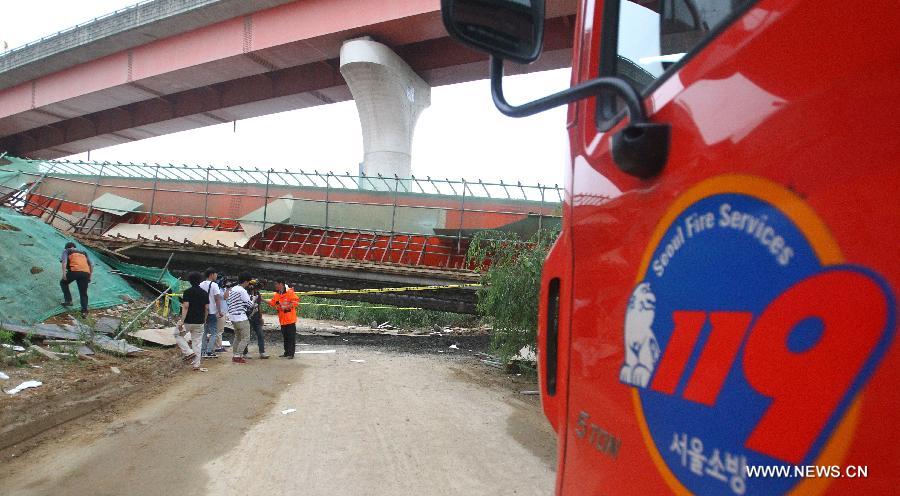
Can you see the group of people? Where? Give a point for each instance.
(205, 307)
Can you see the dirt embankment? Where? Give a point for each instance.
(73, 388)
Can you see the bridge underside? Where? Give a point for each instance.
(279, 59)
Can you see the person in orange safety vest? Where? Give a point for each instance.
(286, 302)
(77, 267)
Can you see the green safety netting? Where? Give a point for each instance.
(154, 275)
(30, 272)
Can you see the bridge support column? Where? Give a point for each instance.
(389, 97)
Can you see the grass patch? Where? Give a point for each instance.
(362, 313)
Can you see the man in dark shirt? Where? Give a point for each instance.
(194, 309)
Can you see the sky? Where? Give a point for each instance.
(461, 135)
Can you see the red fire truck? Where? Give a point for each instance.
(718, 314)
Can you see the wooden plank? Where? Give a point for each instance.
(46, 353)
(118, 251)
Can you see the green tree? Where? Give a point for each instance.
(511, 283)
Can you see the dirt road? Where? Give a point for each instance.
(395, 424)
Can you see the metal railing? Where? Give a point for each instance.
(184, 5)
(299, 178)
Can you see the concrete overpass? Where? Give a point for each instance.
(165, 66)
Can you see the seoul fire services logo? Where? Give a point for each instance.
(748, 338)
(641, 347)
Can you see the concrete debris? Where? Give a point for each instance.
(108, 325)
(289, 410)
(51, 331)
(118, 347)
(64, 342)
(162, 337)
(75, 332)
(527, 354)
(4, 376)
(46, 353)
(310, 352)
(454, 347)
(115, 370)
(24, 385)
(13, 347)
(69, 346)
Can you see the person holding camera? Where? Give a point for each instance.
(238, 300)
(286, 302)
(256, 321)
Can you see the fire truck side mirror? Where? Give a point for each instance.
(513, 30)
(509, 29)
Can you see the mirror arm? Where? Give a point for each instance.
(640, 149)
(584, 90)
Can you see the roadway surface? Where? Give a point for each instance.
(395, 424)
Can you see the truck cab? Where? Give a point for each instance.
(718, 315)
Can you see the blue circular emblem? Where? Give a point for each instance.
(729, 267)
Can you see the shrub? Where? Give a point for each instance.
(511, 283)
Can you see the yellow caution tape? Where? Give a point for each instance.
(358, 306)
(352, 291)
(384, 290)
(365, 291)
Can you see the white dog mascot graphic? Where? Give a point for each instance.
(641, 347)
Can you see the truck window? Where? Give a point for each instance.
(643, 40)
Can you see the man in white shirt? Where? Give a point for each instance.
(215, 322)
(238, 307)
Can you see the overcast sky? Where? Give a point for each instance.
(460, 135)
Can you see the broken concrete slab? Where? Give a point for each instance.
(162, 337)
(108, 325)
(71, 345)
(51, 331)
(118, 347)
(76, 332)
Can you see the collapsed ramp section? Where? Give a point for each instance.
(30, 272)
